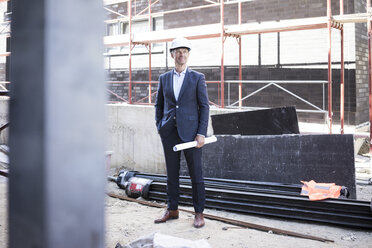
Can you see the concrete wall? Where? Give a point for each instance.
(4, 118)
(132, 136)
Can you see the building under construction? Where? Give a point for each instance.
(242, 47)
(269, 65)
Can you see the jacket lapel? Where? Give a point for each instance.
(184, 84)
(170, 79)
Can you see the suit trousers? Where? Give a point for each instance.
(172, 160)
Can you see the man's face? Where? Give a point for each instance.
(180, 55)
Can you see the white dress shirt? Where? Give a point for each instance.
(178, 79)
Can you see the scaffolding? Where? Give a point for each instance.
(222, 31)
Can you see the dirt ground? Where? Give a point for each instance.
(127, 221)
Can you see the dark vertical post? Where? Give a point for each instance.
(240, 57)
(278, 63)
(130, 50)
(57, 105)
(7, 58)
(369, 24)
(329, 15)
(240, 71)
(149, 45)
(222, 54)
(259, 50)
(342, 75)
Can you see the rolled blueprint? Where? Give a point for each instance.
(191, 144)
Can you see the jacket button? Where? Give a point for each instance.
(177, 106)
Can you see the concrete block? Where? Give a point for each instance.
(281, 158)
(258, 122)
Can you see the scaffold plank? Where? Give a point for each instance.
(196, 32)
(351, 18)
(214, 30)
(277, 26)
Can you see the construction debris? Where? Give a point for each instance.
(160, 240)
(269, 202)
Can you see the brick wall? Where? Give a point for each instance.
(270, 97)
(303, 54)
(361, 60)
(2, 72)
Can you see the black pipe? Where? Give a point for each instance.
(264, 198)
(275, 211)
(295, 188)
(330, 205)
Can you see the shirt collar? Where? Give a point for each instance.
(182, 72)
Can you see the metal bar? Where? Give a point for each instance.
(342, 85)
(210, 1)
(116, 13)
(5, 54)
(156, 14)
(133, 82)
(343, 205)
(271, 197)
(222, 53)
(329, 25)
(369, 74)
(4, 173)
(214, 104)
(230, 182)
(337, 211)
(2, 127)
(278, 81)
(142, 99)
(228, 94)
(240, 55)
(148, 7)
(166, 12)
(240, 68)
(323, 98)
(300, 98)
(130, 51)
(276, 211)
(149, 46)
(161, 185)
(280, 207)
(351, 18)
(253, 93)
(229, 221)
(111, 92)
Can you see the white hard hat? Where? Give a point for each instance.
(180, 42)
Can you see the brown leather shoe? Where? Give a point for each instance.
(168, 214)
(199, 220)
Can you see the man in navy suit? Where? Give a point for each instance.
(181, 114)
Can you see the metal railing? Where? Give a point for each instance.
(276, 83)
(146, 100)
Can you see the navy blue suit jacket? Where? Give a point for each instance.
(190, 112)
